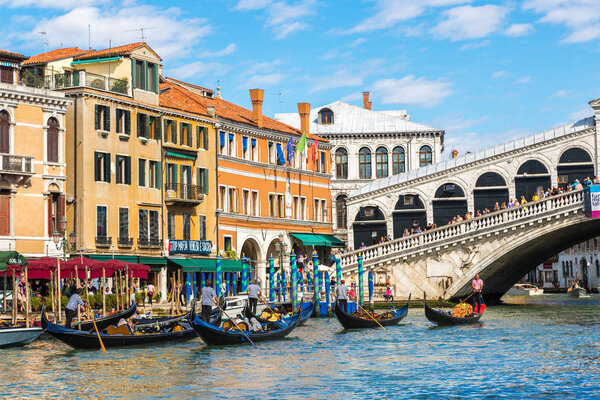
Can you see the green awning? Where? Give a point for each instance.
(180, 155)
(310, 239)
(207, 264)
(11, 258)
(104, 257)
(152, 260)
(333, 241)
(96, 60)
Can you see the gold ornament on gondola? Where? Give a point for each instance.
(462, 310)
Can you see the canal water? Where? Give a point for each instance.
(546, 348)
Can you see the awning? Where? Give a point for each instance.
(96, 60)
(313, 239)
(104, 257)
(12, 258)
(207, 264)
(180, 155)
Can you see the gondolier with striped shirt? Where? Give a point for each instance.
(71, 307)
(208, 298)
(341, 292)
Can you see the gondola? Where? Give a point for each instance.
(305, 313)
(104, 322)
(89, 340)
(215, 317)
(213, 335)
(349, 321)
(444, 319)
(18, 335)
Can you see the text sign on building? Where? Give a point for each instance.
(190, 246)
(591, 201)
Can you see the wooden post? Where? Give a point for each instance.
(87, 292)
(52, 293)
(172, 293)
(103, 291)
(4, 293)
(77, 286)
(180, 273)
(26, 297)
(118, 291)
(58, 292)
(127, 288)
(15, 301)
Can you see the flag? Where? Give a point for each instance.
(313, 153)
(289, 148)
(280, 155)
(301, 143)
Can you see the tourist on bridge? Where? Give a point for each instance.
(341, 292)
(209, 297)
(477, 285)
(253, 294)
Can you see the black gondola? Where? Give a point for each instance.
(349, 321)
(305, 313)
(444, 319)
(213, 335)
(104, 322)
(89, 340)
(215, 317)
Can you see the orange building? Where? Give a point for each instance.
(267, 205)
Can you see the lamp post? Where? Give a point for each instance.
(60, 240)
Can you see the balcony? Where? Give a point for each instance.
(149, 243)
(76, 79)
(180, 193)
(103, 241)
(125, 242)
(16, 165)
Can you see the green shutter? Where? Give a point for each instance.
(107, 167)
(205, 139)
(118, 118)
(165, 131)
(96, 169)
(158, 126)
(97, 112)
(106, 118)
(144, 82)
(198, 134)
(128, 170)
(205, 179)
(174, 132)
(142, 172)
(128, 122)
(181, 129)
(174, 173)
(75, 78)
(158, 174)
(147, 125)
(133, 73)
(189, 135)
(155, 78)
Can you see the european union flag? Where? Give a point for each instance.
(289, 147)
(280, 156)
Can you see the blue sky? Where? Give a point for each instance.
(485, 71)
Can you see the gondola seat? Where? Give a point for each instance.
(120, 330)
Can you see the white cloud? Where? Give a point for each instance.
(340, 78)
(581, 17)
(500, 74)
(260, 81)
(283, 18)
(220, 53)
(115, 24)
(352, 97)
(252, 4)
(518, 29)
(198, 69)
(468, 22)
(358, 42)
(412, 91)
(561, 93)
(581, 114)
(474, 45)
(58, 4)
(525, 79)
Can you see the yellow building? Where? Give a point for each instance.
(32, 162)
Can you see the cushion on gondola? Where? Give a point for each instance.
(121, 330)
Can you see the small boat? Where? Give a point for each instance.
(215, 317)
(305, 313)
(577, 291)
(104, 322)
(19, 336)
(524, 289)
(213, 335)
(89, 340)
(388, 318)
(443, 318)
(236, 305)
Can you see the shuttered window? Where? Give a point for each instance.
(4, 214)
(52, 140)
(123, 121)
(202, 226)
(6, 75)
(4, 132)
(101, 230)
(123, 167)
(143, 225)
(123, 223)
(102, 117)
(142, 172)
(101, 167)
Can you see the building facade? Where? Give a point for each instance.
(368, 145)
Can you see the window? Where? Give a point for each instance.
(563, 179)
(245, 201)
(101, 221)
(202, 137)
(232, 205)
(141, 172)
(316, 210)
(56, 212)
(270, 154)
(295, 205)
(186, 227)
(148, 227)
(202, 227)
(227, 243)
(253, 150)
(123, 224)
(272, 206)
(302, 208)
(172, 176)
(123, 121)
(123, 166)
(398, 160)
(279, 158)
(171, 225)
(222, 195)
(170, 128)
(143, 226)
(231, 145)
(254, 204)
(154, 127)
(154, 174)
(202, 180)
(4, 132)
(185, 134)
(221, 142)
(325, 116)
(148, 126)
(324, 210)
(341, 163)
(323, 165)
(52, 140)
(280, 206)
(6, 74)
(144, 75)
(381, 162)
(101, 167)
(4, 213)
(102, 120)
(364, 163)
(138, 67)
(341, 210)
(425, 156)
(245, 147)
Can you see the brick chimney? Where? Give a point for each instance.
(304, 111)
(454, 153)
(366, 102)
(257, 96)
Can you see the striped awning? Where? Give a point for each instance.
(180, 155)
(9, 64)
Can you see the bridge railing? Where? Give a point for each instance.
(495, 219)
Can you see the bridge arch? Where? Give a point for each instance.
(449, 201)
(369, 226)
(409, 213)
(490, 188)
(574, 163)
(532, 177)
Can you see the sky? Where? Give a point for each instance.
(484, 71)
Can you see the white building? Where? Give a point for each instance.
(368, 145)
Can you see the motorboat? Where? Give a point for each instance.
(577, 291)
(18, 336)
(524, 289)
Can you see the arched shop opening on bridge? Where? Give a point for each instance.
(574, 163)
(409, 213)
(532, 177)
(449, 202)
(369, 226)
(490, 189)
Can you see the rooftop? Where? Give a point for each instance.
(473, 157)
(12, 56)
(123, 50)
(348, 118)
(54, 55)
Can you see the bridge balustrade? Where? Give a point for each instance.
(495, 219)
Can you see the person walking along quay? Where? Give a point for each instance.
(253, 295)
(209, 297)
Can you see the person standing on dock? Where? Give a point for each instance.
(477, 285)
(341, 292)
(253, 294)
(209, 297)
(71, 307)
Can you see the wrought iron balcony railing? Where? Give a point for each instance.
(103, 241)
(14, 164)
(184, 192)
(125, 242)
(149, 243)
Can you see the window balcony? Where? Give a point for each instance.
(76, 79)
(103, 241)
(149, 243)
(125, 242)
(179, 193)
(16, 165)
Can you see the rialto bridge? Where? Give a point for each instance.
(503, 245)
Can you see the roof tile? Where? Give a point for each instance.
(54, 55)
(113, 51)
(10, 54)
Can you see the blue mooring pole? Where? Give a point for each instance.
(317, 286)
(271, 278)
(327, 293)
(371, 287)
(361, 288)
(294, 282)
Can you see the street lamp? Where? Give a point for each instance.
(60, 240)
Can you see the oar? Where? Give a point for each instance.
(462, 301)
(95, 327)
(233, 320)
(265, 303)
(370, 316)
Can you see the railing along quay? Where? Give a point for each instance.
(495, 219)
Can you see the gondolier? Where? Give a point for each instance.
(341, 292)
(477, 284)
(209, 297)
(253, 294)
(71, 307)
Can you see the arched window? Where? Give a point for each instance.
(325, 116)
(4, 132)
(340, 205)
(52, 140)
(341, 163)
(424, 156)
(364, 163)
(381, 162)
(398, 160)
